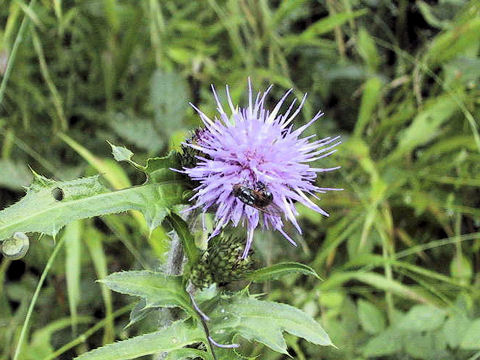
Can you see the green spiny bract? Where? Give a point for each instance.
(188, 157)
(221, 263)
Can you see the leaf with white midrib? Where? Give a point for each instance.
(171, 338)
(265, 322)
(39, 211)
(158, 289)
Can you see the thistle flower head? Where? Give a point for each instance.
(255, 165)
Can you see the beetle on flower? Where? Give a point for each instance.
(254, 165)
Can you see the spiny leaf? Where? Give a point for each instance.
(121, 153)
(158, 289)
(139, 312)
(265, 322)
(279, 270)
(174, 337)
(49, 205)
(159, 168)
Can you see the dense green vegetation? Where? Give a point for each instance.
(399, 254)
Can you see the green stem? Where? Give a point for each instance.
(13, 53)
(35, 298)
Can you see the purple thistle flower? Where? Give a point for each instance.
(257, 153)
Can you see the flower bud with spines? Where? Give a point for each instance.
(222, 262)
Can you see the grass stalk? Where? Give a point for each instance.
(26, 323)
(13, 53)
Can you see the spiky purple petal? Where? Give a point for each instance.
(255, 145)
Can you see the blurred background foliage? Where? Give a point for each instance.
(397, 79)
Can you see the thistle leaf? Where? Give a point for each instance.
(121, 153)
(264, 322)
(49, 205)
(174, 337)
(139, 312)
(158, 289)
(159, 168)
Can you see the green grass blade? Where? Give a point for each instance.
(26, 323)
(73, 249)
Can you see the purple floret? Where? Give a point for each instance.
(255, 145)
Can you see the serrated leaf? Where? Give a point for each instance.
(264, 322)
(139, 312)
(121, 153)
(278, 270)
(158, 289)
(159, 168)
(49, 205)
(174, 337)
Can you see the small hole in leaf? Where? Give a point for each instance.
(57, 194)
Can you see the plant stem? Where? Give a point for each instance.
(175, 257)
(13, 53)
(35, 297)
(174, 266)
